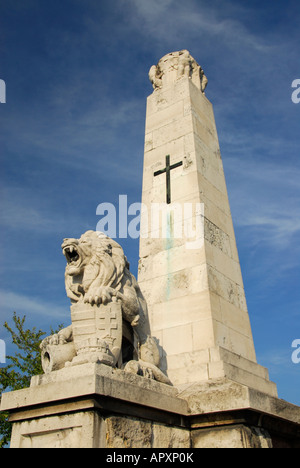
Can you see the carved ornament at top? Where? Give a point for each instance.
(173, 67)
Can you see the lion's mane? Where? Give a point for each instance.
(101, 260)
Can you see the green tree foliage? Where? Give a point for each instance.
(21, 367)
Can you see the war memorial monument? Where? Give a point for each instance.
(166, 360)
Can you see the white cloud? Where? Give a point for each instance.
(265, 198)
(151, 9)
(22, 210)
(71, 135)
(28, 305)
(187, 19)
(278, 361)
(262, 173)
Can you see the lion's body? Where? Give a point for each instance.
(100, 272)
(97, 272)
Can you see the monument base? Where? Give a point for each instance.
(96, 406)
(219, 363)
(224, 413)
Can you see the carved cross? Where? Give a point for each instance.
(167, 170)
(105, 322)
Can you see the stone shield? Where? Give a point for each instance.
(97, 332)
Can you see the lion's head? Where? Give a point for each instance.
(93, 258)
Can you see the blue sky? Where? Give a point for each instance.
(72, 136)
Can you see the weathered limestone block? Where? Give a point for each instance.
(128, 433)
(61, 431)
(237, 436)
(170, 437)
(135, 433)
(216, 237)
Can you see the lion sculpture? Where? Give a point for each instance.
(97, 272)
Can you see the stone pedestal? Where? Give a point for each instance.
(95, 406)
(226, 414)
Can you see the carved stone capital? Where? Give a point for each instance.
(175, 66)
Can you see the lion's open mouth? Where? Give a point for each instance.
(71, 254)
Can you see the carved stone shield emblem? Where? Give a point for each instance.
(97, 332)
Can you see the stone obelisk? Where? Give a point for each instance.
(193, 286)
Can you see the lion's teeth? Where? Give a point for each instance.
(71, 249)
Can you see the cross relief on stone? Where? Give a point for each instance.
(105, 322)
(167, 170)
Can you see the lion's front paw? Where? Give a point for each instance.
(55, 339)
(102, 295)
